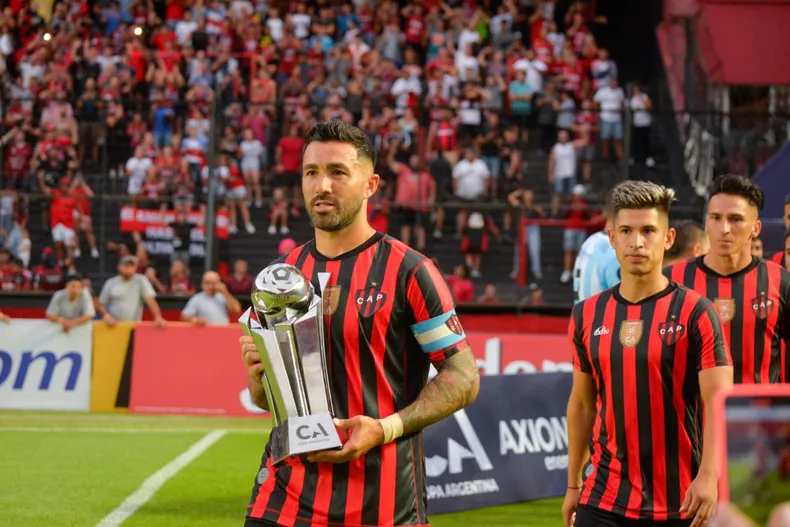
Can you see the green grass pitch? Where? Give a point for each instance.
(72, 470)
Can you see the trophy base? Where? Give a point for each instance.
(303, 435)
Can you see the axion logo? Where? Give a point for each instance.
(603, 330)
(436, 465)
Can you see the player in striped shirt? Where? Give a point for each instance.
(596, 268)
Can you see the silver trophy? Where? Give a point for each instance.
(288, 328)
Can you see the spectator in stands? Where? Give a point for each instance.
(152, 274)
(545, 107)
(278, 212)
(757, 246)
(182, 188)
(212, 305)
(82, 194)
(61, 213)
(489, 295)
(512, 163)
(252, 151)
(288, 166)
(462, 288)
(240, 282)
(576, 216)
(610, 100)
(523, 200)
(179, 283)
(475, 240)
(182, 236)
(236, 195)
(562, 169)
(520, 95)
(442, 172)
(691, 241)
(72, 305)
(414, 197)
(48, 275)
(470, 183)
(137, 169)
(602, 69)
(643, 121)
(123, 296)
(585, 128)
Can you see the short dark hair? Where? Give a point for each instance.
(687, 233)
(735, 185)
(336, 130)
(73, 277)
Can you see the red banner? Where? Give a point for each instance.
(140, 220)
(188, 370)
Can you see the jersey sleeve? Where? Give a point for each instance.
(436, 326)
(784, 305)
(581, 360)
(707, 338)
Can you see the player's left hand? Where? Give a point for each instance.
(700, 501)
(364, 433)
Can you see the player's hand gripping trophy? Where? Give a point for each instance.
(287, 324)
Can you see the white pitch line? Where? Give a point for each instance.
(126, 430)
(150, 486)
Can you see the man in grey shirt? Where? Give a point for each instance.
(211, 306)
(72, 305)
(123, 296)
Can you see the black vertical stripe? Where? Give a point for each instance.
(643, 398)
(337, 504)
(404, 364)
(736, 324)
(602, 476)
(690, 274)
(278, 495)
(616, 375)
(760, 324)
(367, 369)
(300, 260)
(671, 422)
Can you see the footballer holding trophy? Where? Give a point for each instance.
(286, 321)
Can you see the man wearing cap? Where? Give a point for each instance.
(72, 305)
(123, 296)
(211, 306)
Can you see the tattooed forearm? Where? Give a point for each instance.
(454, 387)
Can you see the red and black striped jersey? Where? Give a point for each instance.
(779, 259)
(644, 359)
(389, 314)
(753, 305)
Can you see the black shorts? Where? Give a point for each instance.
(288, 179)
(594, 517)
(253, 522)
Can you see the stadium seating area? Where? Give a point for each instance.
(130, 102)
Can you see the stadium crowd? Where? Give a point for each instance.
(137, 96)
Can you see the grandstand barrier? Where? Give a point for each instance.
(43, 368)
(502, 448)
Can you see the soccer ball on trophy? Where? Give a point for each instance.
(278, 287)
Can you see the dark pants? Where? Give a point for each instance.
(641, 143)
(592, 517)
(258, 523)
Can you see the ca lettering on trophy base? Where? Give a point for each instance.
(287, 324)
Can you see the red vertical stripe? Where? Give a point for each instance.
(323, 488)
(385, 401)
(700, 282)
(655, 360)
(631, 414)
(773, 293)
(264, 491)
(293, 256)
(679, 402)
(604, 363)
(677, 272)
(356, 468)
(307, 266)
(746, 346)
(293, 492)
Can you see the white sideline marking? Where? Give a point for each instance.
(150, 486)
(126, 430)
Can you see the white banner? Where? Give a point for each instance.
(43, 368)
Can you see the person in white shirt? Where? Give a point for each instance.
(470, 182)
(212, 305)
(610, 101)
(72, 305)
(184, 28)
(137, 169)
(562, 168)
(466, 63)
(252, 151)
(402, 88)
(534, 68)
(643, 120)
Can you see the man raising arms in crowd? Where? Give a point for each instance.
(648, 357)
